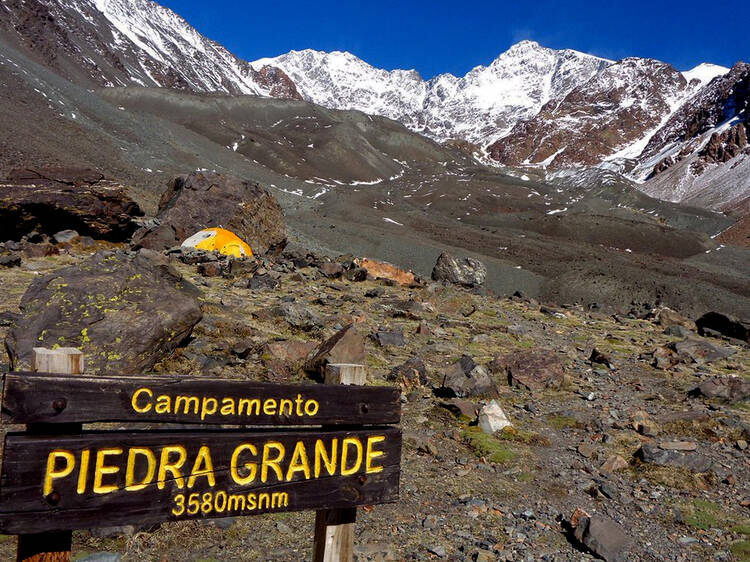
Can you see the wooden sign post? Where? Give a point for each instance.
(347, 452)
(334, 529)
(51, 546)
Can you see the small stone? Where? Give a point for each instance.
(741, 444)
(461, 408)
(608, 490)
(332, 270)
(113, 532)
(65, 236)
(598, 357)
(284, 528)
(224, 522)
(345, 346)
(411, 373)
(587, 450)
(678, 446)
(603, 536)
(101, 557)
(492, 418)
(727, 388)
(438, 551)
(643, 424)
(210, 269)
(375, 292)
(356, 275)
(687, 540)
(465, 378)
(386, 338)
(262, 282)
(614, 463)
(10, 261)
(678, 331)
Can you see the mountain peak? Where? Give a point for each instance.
(705, 72)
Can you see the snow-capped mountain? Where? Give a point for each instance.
(479, 107)
(681, 135)
(616, 108)
(132, 42)
(701, 154)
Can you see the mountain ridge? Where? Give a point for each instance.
(531, 106)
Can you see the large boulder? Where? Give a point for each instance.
(124, 310)
(663, 457)
(533, 369)
(729, 388)
(465, 271)
(602, 536)
(208, 199)
(49, 200)
(384, 270)
(465, 378)
(345, 346)
(715, 322)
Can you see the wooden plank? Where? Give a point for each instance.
(63, 360)
(51, 547)
(334, 535)
(346, 373)
(54, 399)
(334, 528)
(55, 483)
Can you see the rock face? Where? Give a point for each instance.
(701, 155)
(468, 272)
(134, 43)
(615, 108)
(125, 311)
(49, 200)
(204, 199)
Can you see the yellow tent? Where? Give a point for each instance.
(221, 240)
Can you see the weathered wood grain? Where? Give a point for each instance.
(334, 528)
(56, 399)
(26, 508)
(51, 547)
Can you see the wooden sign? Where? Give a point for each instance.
(115, 478)
(52, 398)
(52, 482)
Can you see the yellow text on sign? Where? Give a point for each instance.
(134, 468)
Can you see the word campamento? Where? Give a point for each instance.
(144, 400)
(113, 469)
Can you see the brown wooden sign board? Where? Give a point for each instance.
(56, 483)
(55, 399)
(56, 479)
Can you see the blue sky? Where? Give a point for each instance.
(454, 36)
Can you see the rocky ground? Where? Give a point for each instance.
(605, 433)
